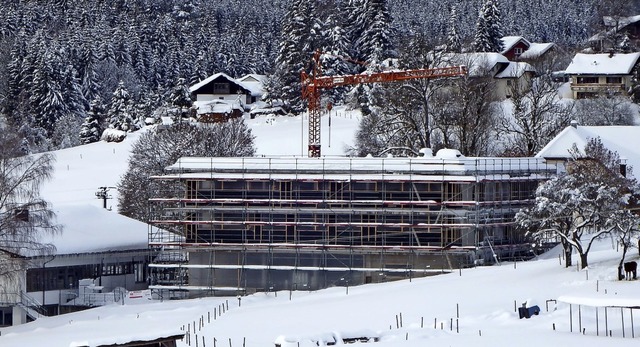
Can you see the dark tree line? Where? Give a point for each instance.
(63, 64)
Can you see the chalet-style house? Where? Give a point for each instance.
(220, 97)
(262, 224)
(601, 74)
(517, 48)
(508, 75)
(619, 34)
(624, 140)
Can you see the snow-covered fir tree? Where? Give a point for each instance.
(294, 52)
(91, 129)
(181, 98)
(488, 28)
(454, 41)
(375, 44)
(120, 111)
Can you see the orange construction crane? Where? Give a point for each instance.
(313, 84)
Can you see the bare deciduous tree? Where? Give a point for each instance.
(537, 116)
(157, 149)
(24, 216)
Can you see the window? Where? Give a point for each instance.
(517, 51)
(585, 80)
(221, 88)
(614, 80)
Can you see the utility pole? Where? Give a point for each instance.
(103, 193)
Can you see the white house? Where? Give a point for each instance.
(506, 74)
(606, 73)
(625, 140)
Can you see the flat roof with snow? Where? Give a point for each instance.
(421, 168)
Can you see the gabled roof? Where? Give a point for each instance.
(254, 82)
(536, 50)
(515, 70)
(622, 22)
(478, 63)
(625, 140)
(603, 64)
(509, 41)
(194, 88)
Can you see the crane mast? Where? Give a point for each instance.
(312, 85)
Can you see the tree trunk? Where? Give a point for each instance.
(583, 261)
(621, 274)
(567, 257)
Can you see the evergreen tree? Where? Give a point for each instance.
(181, 98)
(375, 42)
(295, 51)
(91, 129)
(454, 42)
(488, 28)
(120, 112)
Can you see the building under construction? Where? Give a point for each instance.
(238, 225)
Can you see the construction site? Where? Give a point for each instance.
(240, 225)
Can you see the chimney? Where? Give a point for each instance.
(623, 168)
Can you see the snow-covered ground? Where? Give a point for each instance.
(471, 307)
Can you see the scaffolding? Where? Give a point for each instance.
(245, 224)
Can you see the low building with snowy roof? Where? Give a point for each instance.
(516, 78)
(218, 111)
(97, 244)
(624, 140)
(592, 75)
(276, 223)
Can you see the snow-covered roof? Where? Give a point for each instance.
(109, 325)
(254, 82)
(625, 140)
(217, 106)
(601, 301)
(536, 50)
(620, 21)
(247, 86)
(342, 168)
(90, 229)
(515, 70)
(478, 63)
(602, 64)
(509, 41)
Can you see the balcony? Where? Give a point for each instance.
(599, 87)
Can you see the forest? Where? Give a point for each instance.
(71, 68)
